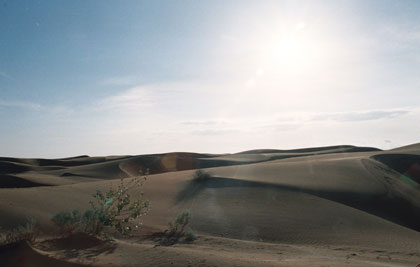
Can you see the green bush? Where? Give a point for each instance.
(91, 223)
(68, 222)
(177, 230)
(28, 232)
(116, 209)
(177, 227)
(113, 209)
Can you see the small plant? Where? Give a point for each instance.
(201, 176)
(114, 209)
(177, 227)
(68, 222)
(190, 237)
(91, 223)
(176, 231)
(2, 237)
(27, 232)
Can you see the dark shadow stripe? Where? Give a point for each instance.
(387, 206)
(9, 181)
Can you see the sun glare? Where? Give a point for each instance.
(283, 60)
(291, 50)
(300, 25)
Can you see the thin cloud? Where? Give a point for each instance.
(5, 75)
(20, 104)
(360, 115)
(286, 122)
(229, 37)
(408, 35)
(119, 81)
(214, 131)
(202, 122)
(131, 99)
(280, 127)
(32, 106)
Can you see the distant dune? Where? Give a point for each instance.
(325, 206)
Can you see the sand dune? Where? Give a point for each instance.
(315, 205)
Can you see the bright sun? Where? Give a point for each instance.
(292, 49)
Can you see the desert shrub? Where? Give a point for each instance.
(68, 222)
(177, 231)
(28, 232)
(2, 236)
(201, 176)
(114, 209)
(177, 227)
(190, 237)
(91, 223)
(75, 221)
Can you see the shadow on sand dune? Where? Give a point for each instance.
(405, 164)
(24, 255)
(65, 249)
(11, 181)
(392, 208)
(79, 243)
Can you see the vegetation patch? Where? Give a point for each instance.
(177, 232)
(201, 176)
(117, 209)
(27, 232)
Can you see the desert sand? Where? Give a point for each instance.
(327, 206)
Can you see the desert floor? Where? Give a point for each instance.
(328, 206)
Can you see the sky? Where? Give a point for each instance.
(139, 77)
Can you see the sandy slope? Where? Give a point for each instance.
(315, 205)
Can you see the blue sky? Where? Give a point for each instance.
(135, 77)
